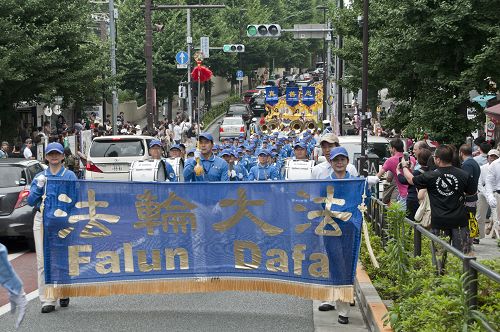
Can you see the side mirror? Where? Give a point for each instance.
(219, 122)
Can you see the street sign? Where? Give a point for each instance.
(239, 75)
(309, 34)
(182, 59)
(205, 46)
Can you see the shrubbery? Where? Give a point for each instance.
(422, 300)
(220, 109)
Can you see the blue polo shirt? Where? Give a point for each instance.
(215, 169)
(36, 193)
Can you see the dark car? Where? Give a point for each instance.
(240, 110)
(258, 105)
(247, 96)
(16, 216)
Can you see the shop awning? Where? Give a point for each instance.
(483, 99)
(493, 111)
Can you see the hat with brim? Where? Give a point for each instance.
(494, 152)
(225, 152)
(338, 151)
(155, 142)
(54, 146)
(263, 152)
(176, 147)
(207, 136)
(299, 145)
(330, 138)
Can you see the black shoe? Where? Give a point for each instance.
(64, 302)
(475, 241)
(326, 307)
(353, 303)
(48, 308)
(343, 320)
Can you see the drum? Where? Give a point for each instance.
(298, 169)
(178, 166)
(148, 171)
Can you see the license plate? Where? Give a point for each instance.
(114, 167)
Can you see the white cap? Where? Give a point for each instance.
(494, 152)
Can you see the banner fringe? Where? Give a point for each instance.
(203, 285)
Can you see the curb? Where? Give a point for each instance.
(371, 304)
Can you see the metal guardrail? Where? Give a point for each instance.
(376, 214)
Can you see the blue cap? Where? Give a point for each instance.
(239, 150)
(263, 151)
(225, 152)
(276, 133)
(300, 145)
(54, 146)
(175, 146)
(235, 154)
(182, 145)
(216, 147)
(273, 148)
(242, 135)
(273, 154)
(192, 150)
(155, 142)
(207, 136)
(338, 151)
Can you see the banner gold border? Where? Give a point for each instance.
(203, 285)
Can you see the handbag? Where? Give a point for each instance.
(423, 214)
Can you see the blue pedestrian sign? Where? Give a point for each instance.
(239, 75)
(182, 59)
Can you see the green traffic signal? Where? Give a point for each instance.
(233, 48)
(226, 48)
(251, 31)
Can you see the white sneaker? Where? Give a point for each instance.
(18, 303)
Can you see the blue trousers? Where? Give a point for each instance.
(8, 277)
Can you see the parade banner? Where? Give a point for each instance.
(292, 96)
(272, 95)
(299, 238)
(308, 95)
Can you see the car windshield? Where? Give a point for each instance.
(11, 176)
(117, 148)
(232, 121)
(237, 110)
(379, 149)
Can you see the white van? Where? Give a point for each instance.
(110, 157)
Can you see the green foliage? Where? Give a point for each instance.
(220, 109)
(46, 50)
(429, 54)
(424, 301)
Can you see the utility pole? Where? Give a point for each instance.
(325, 74)
(364, 99)
(112, 33)
(148, 52)
(189, 41)
(339, 74)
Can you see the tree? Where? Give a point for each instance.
(429, 55)
(46, 49)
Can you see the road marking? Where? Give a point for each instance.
(17, 254)
(6, 308)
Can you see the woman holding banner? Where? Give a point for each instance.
(54, 154)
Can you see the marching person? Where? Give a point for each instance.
(214, 168)
(239, 167)
(13, 284)
(54, 154)
(227, 155)
(155, 150)
(300, 151)
(263, 171)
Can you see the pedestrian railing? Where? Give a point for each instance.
(377, 216)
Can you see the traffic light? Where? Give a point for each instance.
(263, 30)
(233, 48)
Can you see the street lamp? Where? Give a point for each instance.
(325, 66)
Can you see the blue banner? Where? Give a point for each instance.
(300, 238)
(272, 95)
(292, 96)
(308, 95)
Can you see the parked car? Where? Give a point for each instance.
(242, 110)
(304, 83)
(16, 216)
(231, 127)
(110, 157)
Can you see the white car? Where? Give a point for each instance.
(110, 157)
(232, 127)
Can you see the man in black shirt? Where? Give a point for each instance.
(471, 167)
(447, 186)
